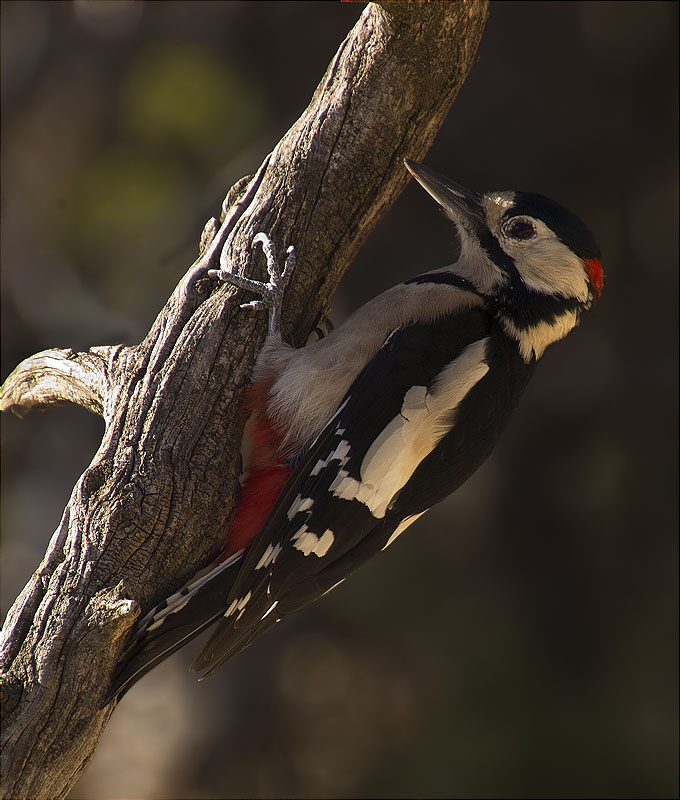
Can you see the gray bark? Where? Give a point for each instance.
(151, 507)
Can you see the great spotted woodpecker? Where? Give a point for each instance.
(353, 437)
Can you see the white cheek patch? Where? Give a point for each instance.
(307, 542)
(477, 267)
(425, 417)
(547, 265)
(401, 528)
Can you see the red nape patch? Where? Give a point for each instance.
(258, 495)
(595, 274)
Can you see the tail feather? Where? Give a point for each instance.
(227, 641)
(175, 622)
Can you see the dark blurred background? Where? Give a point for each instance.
(521, 640)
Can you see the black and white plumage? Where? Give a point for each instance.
(368, 428)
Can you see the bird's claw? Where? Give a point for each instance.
(271, 292)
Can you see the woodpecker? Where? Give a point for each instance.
(353, 437)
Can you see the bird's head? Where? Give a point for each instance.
(534, 261)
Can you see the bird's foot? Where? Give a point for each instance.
(271, 292)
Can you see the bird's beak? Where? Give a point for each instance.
(460, 204)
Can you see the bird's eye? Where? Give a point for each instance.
(519, 229)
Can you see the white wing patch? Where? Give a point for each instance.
(238, 605)
(333, 587)
(425, 417)
(269, 556)
(177, 601)
(401, 527)
(299, 504)
(270, 609)
(307, 542)
(341, 454)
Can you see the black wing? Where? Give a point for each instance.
(328, 521)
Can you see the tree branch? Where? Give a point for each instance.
(151, 507)
(57, 377)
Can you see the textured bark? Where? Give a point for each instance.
(150, 508)
(58, 377)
